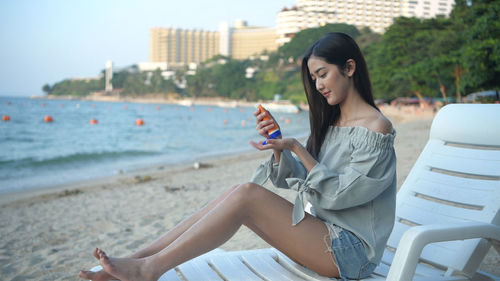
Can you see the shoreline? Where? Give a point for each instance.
(153, 99)
(139, 175)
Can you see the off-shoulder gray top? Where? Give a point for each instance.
(352, 186)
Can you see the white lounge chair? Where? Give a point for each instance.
(447, 214)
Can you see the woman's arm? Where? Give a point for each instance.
(294, 146)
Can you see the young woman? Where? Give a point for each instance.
(347, 171)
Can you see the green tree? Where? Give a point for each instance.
(77, 87)
(229, 78)
(389, 60)
(414, 57)
(478, 23)
(47, 89)
(201, 84)
(268, 84)
(294, 90)
(367, 37)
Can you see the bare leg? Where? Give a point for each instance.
(161, 242)
(179, 229)
(263, 211)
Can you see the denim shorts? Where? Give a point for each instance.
(349, 254)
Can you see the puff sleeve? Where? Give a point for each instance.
(288, 167)
(370, 170)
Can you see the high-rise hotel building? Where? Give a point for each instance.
(180, 47)
(247, 40)
(378, 15)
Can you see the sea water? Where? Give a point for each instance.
(35, 154)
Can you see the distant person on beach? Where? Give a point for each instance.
(346, 171)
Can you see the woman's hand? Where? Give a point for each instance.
(276, 144)
(290, 144)
(263, 126)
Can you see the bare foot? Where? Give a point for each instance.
(126, 269)
(100, 275)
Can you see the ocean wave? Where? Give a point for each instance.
(74, 159)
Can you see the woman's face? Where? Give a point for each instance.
(330, 83)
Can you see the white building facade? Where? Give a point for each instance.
(378, 15)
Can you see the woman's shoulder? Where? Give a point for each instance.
(373, 120)
(373, 131)
(378, 123)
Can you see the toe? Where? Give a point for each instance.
(105, 262)
(86, 274)
(96, 253)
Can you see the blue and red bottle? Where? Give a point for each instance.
(274, 132)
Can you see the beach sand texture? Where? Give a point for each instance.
(50, 236)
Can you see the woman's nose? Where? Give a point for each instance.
(319, 85)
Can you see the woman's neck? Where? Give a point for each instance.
(351, 108)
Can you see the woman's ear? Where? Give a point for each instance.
(350, 67)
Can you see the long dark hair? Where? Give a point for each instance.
(334, 48)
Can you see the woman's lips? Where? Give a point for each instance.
(326, 94)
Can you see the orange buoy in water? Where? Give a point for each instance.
(93, 121)
(48, 119)
(139, 122)
(5, 118)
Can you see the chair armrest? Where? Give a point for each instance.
(416, 238)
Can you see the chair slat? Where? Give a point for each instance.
(268, 268)
(422, 211)
(458, 182)
(232, 268)
(381, 270)
(299, 270)
(198, 267)
(170, 275)
(488, 154)
(457, 163)
(460, 195)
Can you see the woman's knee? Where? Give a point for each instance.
(232, 188)
(248, 192)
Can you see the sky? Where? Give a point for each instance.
(47, 41)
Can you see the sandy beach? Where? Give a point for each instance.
(49, 235)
